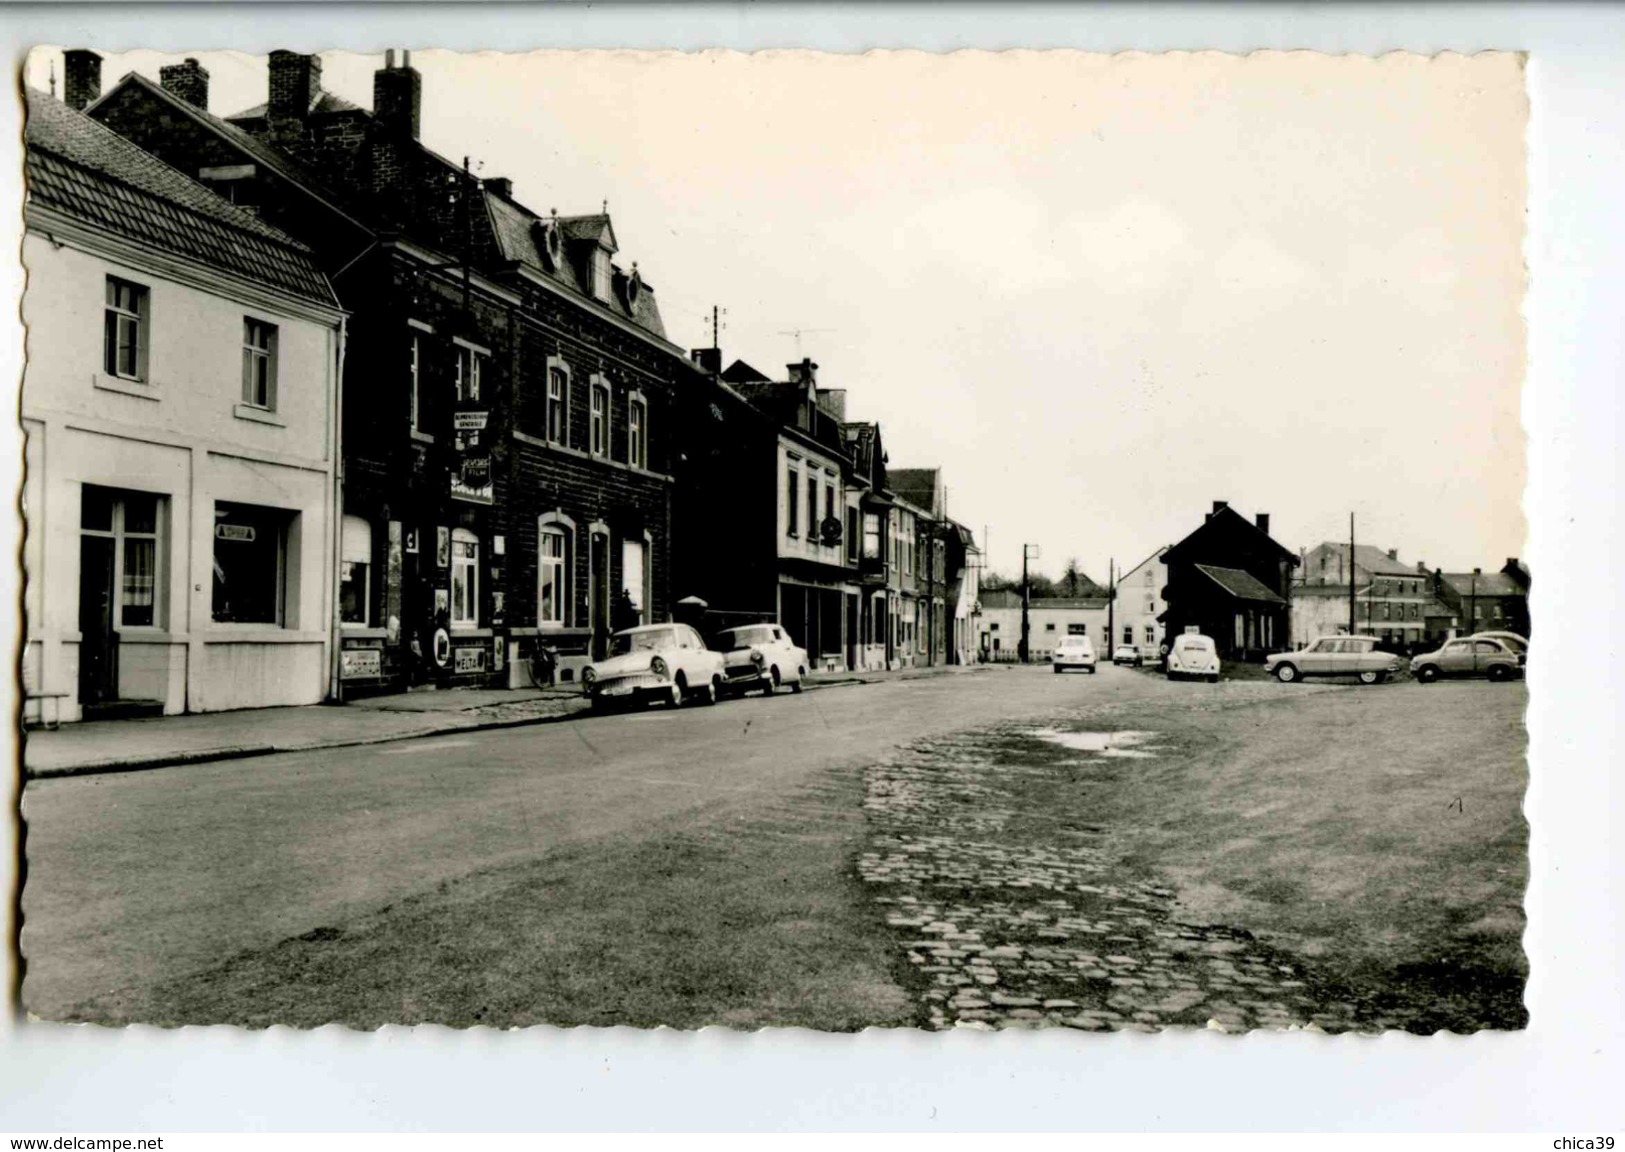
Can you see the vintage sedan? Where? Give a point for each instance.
(666, 662)
(1128, 655)
(1193, 655)
(1469, 656)
(1355, 656)
(1073, 652)
(760, 656)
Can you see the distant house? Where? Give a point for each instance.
(1392, 601)
(1229, 579)
(1140, 606)
(1048, 619)
(1488, 601)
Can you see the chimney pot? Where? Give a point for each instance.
(806, 372)
(82, 78)
(397, 96)
(1263, 522)
(709, 359)
(1393, 553)
(188, 80)
(1220, 505)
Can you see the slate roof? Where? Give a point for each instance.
(916, 485)
(1488, 584)
(1369, 557)
(514, 228)
(81, 169)
(1241, 585)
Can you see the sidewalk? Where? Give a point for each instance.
(127, 745)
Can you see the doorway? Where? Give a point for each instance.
(98, 640)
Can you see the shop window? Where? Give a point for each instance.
(131, 520)
(355, 573)
(465, 579)
(259, 364)
(125, 330)
(250, 564)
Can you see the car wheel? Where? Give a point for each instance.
(1212, 677)
(598, 703)
(679, 689)
(1499, 673)
(801, 675)
(1056, 668)
(712, 691)
(1369, 677)
(1286, 673)
(1090, 669)
(1427, 674)
(770, 682)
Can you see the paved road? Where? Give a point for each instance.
(153, 874)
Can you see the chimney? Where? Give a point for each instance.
(397, 96)
(709, 360)
(189, 80)
(805, 372)
(1220, 505)
(1422, 567)
(296, 82)
(499, 185)
(1263, 522)
(82, 78)
(1393, 554)
(833, 401)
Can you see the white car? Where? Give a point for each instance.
(1194, 655)
(1356, 656)
(760, 656)
(656, 661)
(1073, 652)
(1127, 654)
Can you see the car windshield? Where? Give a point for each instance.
(623, 643)
(1201, 642)
(743, 638)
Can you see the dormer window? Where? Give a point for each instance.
(601, 273)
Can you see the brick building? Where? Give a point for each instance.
(508, 388)
(1229, 579)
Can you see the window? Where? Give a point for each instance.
(852, 542)
(1128, 633)
(250, 556)
(792, 491)
(635, 575)
(470, 366)
(552, 593)
(558, 392)
(1049, 627)
(131, 520)
(637, 435)
(465, 579)
(871, 536)
(124, 335)
(829, 501)
(259, 363)
(1150, 635)
(812, 507)
(600, 273)
(414, 369)
(355, 572)
(600, 419)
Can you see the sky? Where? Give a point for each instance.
(1100, 292)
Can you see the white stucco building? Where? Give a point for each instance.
(1139, 607)
(179, 408)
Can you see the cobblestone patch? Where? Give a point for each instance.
(1007, 924)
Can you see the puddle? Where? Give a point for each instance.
(1121, 745)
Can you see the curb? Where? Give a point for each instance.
(252, 751)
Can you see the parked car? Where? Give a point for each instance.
(1127, 654)
(655, 661)
(1469, 656)
(760, 656)
(1519, 644)
(1335, 656)
(1073, 652)
(1194, 655)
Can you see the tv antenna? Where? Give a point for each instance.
(798, 333)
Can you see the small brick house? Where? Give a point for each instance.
(1229, 579)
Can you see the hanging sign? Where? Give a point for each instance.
(242, 532)
(469, 421)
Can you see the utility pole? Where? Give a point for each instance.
(1028, 552)
(1351, 574)
(1472, 603)
(1111, 604)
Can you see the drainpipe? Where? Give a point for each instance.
(334, 664)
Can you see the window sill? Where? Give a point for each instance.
(257, 415)
(362, 632)
(260, 634)
(126, 387)
(422, 437)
